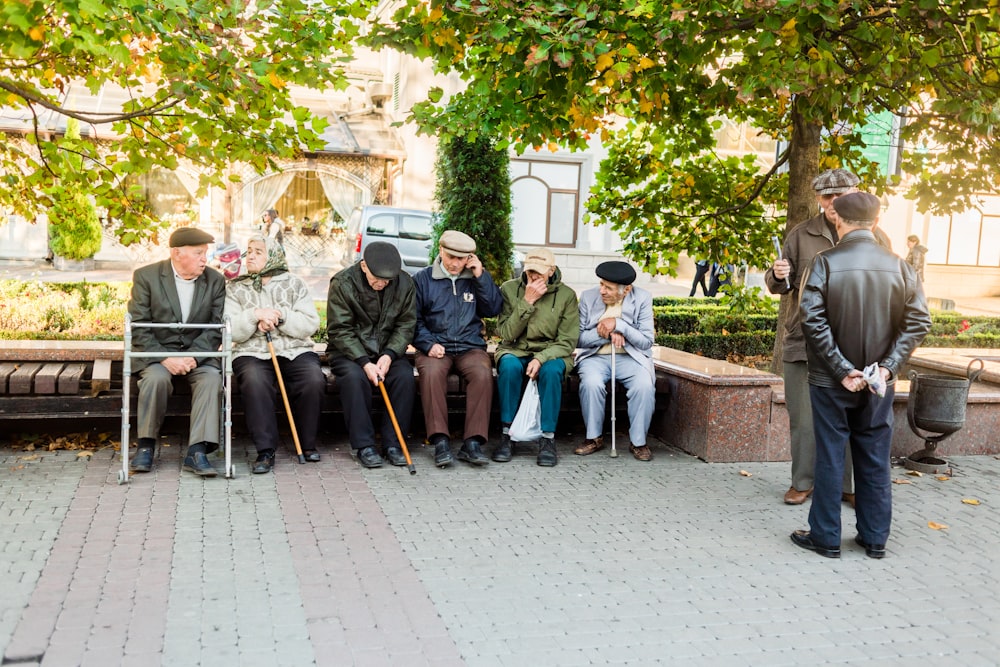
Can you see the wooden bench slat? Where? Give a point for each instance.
(100, 378)
(69, 379)
(47, 378)
(21, 380)
(6, 370)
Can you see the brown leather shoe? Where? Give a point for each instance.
(848, 498)
(590, 446)
(642, 453)
(795, 497)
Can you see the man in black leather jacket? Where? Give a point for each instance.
(860, 305)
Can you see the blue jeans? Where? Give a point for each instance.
(865, 421)
(511, 381)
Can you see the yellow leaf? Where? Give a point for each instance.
(553, 147)
(30, 457)
(915, 473)
(936, 526)
(746, 474)
(605, 61)
(970, 501)
(83, 455)
(788, 30)
(901, 481)
(942, 478)
(275, 80)
(644, 63)
(36, 33)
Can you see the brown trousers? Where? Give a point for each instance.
(476, 369)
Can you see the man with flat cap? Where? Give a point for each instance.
(371, 316)
(861, 307)
(616, 314)
(454, 294)
(180, 289)
(801, 245)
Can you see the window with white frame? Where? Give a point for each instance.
(970, 238)
(545, 200)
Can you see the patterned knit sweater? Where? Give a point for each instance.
(285, 293)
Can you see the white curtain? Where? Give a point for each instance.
(342, 195)
(267, 192)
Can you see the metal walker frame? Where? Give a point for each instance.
(226, 354)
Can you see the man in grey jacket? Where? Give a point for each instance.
(862, 308)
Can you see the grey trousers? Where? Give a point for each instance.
(640, 393)
(156, 386)
(800, 422)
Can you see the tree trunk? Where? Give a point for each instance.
(803, 166)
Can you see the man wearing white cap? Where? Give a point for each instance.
(179, 289)
(539, 327)
(616, 314)
(454, 294)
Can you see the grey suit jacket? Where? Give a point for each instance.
(154, 299)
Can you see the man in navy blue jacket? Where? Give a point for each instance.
(454, 294)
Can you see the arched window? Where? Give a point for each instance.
(546, 201)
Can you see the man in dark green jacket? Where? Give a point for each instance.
(371, 316)
(539, 327)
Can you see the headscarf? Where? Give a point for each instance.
(275, 264)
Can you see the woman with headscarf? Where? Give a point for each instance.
(267, 299)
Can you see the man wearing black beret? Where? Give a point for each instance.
(371, 316)
(178, 289)
(861, 307)
(616, 314)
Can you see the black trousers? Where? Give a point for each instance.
(305, 385)
(356, 399)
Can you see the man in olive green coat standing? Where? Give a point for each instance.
(539, 326)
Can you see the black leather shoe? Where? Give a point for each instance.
(547, 455)
(395, 456)
(503, 452)
(369, 457)
(263, 464)
(803, 539)
(871, 550)
(311, 455)
(471, 453)
(142, 461)
(442, 452)
(199, 465)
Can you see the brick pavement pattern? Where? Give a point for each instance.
(597, 561)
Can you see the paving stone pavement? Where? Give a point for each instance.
(597, 561)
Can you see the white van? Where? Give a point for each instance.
(406, 228)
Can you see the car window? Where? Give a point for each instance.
(416, 227)
(382, 224)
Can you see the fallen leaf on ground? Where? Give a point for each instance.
(915, 473)
(81, 455)
(970, 501)
(901, 481)
(29, 457)
(746, 474)
(936, 526)
(942, 478)
(13, 468)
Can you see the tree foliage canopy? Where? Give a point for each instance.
(806, 73)
(206, 82)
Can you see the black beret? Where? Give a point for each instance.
(857, 207)
(383, 260)
(190, 236)
(620, 273)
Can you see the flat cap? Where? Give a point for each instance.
(857, 207)
(539, 260)
(457, 243)
(620, 273)
(835, 182)
(383, 260)
(190, 236)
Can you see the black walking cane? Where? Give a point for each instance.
(284, 396)
(395, 425)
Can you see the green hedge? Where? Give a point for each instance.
(717, 346)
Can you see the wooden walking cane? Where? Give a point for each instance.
(395, 425)
(284, 396)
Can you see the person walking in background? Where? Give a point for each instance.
(916, 255)
(371, 317)
(722, 275)
(269, 301)
(802, 243)
(861, 306)
(701, 269)
(616, 315)
(179, 289)
(539, 326)
(274, 227)
(454, 294)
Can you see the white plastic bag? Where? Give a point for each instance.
(526, 426)
(873, 376)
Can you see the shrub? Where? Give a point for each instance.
(74, 228)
